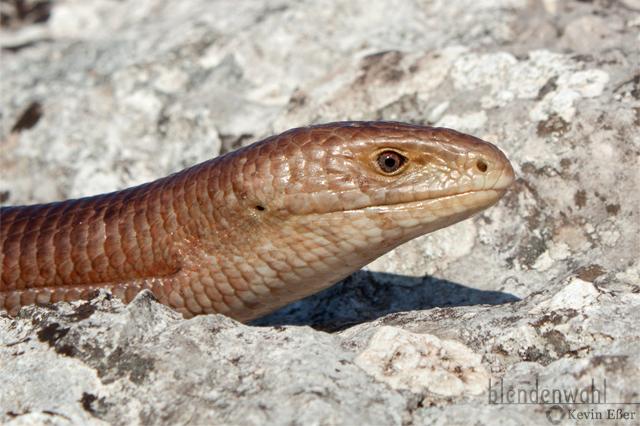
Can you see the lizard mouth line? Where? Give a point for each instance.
(489, 197)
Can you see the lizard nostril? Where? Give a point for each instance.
(482, 166)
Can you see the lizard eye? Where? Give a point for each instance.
(389, 162)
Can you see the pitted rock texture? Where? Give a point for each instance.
(100, 361)
(100, 95)
(209, 371)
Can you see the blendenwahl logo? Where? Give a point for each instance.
(562, 401)
(536, 395)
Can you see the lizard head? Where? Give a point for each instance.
(306, 208)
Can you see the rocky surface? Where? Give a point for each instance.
(98, 361)
(543, 288)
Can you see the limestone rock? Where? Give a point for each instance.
(97, 360)
(143, 364)
(419, 362)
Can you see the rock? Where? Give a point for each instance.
(210, 370)
(632, 4)
(538, 293)
(143, 364)
(419, 362)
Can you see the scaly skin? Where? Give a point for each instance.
(256, 229)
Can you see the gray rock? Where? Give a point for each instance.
(542, 288)
(143, 364)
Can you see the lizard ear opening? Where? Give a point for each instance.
(482, 165)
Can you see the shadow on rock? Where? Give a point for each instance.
(366, 296)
